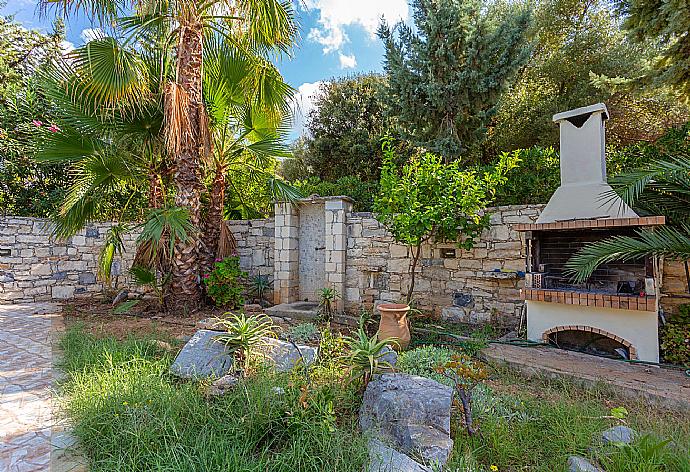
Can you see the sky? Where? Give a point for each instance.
(337, 38)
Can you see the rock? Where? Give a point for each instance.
(253, 308)
(163, 345)
(202, 356)
(63, 293)
(120, 297)
(618, 434)
(386, 459)
(580, 464)
(223, 385)
(411, 413)
(284, 356)
(389, 355)
(87, 278)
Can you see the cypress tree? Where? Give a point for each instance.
(448, 71)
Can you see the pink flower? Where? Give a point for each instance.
(37, 123)
(218, 259)
(53, 128)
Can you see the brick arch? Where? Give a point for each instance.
(631, 349)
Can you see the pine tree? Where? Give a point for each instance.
(667, 21)
(447, 73)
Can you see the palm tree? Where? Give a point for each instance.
(259, 28)
(662, 188)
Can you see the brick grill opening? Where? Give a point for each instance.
(555, 248)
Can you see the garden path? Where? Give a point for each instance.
(29, 434)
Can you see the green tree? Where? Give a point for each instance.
(429, 200)
(573, 40)
(345, 128)
(447, 72)
(667, 22)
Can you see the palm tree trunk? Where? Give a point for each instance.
(185, 288)
(214, 219)
(155, 190)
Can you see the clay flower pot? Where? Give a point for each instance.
(393, 323)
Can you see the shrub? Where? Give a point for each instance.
(422, 361)
(224, 283)
(675, 338)
(365, 358)
(647, 453)
(243, 334)
(302, 332)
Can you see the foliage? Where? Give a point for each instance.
(465, 374)
(327, 298)
(365, 356)
(660, 188)
(160, 230)
(260, 285)
(646, 454)
(573, 41)
(446, 72)
(303, 332)
(362, 192)
(534, 181)
(426, 199)
(422, 361)
(113, 245)
(146, 277)
(652, 21)
(130, 415)
(244, 333)
(675, 338)
(224, 282)
(344, 130)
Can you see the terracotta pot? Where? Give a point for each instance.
(393, 323)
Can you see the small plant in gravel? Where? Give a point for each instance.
(224, 282)
(466, 374)
(244, 333)
(365, 356)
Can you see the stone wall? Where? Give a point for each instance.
(34, 266)
(483, 279)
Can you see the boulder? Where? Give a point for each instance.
(618, 434)
(580, 464)
(383, 458)
(389, 355)
(202, 356)
(284, 356)
(411, 413)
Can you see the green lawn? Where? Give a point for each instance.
(130, 415)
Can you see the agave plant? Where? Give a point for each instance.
(244, 333)
(366, 356)
(260, 285)
(327, 298)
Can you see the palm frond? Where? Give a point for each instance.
(162, 228)
(671, 242)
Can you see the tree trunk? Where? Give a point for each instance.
(155, 190)
(466, 400)
(413, 267)
(213, 220)
(185, 287)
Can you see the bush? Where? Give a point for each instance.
(224, 283)
(302, 333)
(422, 360)
(362, 192)
(675, 338)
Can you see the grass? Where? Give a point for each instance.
(130, 415)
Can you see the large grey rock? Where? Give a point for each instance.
(411, 413)
(383, 458)
(389, 355)
(618, 434)
(223, 385)
(580, 464)
(202, 356)
(283, 355)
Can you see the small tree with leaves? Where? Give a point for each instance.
(466, 374)
(429, 200)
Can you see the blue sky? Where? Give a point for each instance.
(336, 39)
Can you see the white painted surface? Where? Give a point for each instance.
(640, 328)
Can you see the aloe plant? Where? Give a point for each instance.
(244, 333)
(365, 356)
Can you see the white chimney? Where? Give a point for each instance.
(582, 194)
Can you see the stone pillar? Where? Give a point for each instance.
(286, 257)
(336, 209)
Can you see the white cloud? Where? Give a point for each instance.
(66, 47)
(335, 15)
(89, 34)
(303, 103)
(347, 62)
